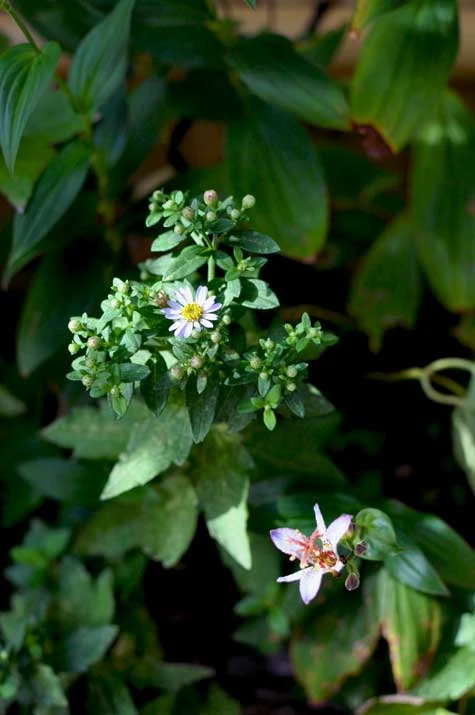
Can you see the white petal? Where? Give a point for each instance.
(209, 302)
(180, 331)
(337, 528)
(180, 297)
(196, 326)
(293, 576)
(289, 541)
(339, 566)
(206, 323)
(210, 316)
(319, 519)
(310, 584)
(188, 329)
(201, 293)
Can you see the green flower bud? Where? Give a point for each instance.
(87, 381)
(177, 372)
(291, 371)
(314, 333)
(290, 386)
(264, 375)
(248, 201)
(158, 196)
(227, 319)
(170, 204)
(215, 336)
(123, 288)
(114, 391)
(269, 344)
(235, 214)
(188, 213)
(114, 303)
(73, 348)
(210, 197)
(210, 216)
(74, 325)
(94, 342)
(255, 362)
(196, 362)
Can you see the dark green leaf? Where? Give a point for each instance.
(254, 242)
(54, 193)
(81, 599)
(442, 203)
(411, 568)
(24, 75)
(45, 688)
(154, 445)
(293, 206)
(54, 119)
(423, 37)
(85, 646)
(108, 695)
(180, 45)
(273, 70)
(172, 677)
(386, 291)
(221, 472)
(32, 158)
(10, 406)
(411, 623)
(376, 529)
(220, 703)
(96, 433)
(100, 62)
(202, 407)
(257, 294)
(189, 260)
(64, 479)
(154, 389)
(340, 639)
(131, 372)
(320, 49)
(366, 11)
(401, 705)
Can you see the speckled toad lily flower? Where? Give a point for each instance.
(191, 313)
(317, 553)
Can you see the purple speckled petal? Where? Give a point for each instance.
(289, 541)
(310, 584)
(337, 529)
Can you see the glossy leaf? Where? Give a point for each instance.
(254, 242)
(366, 11)
(154, 445)
(442, 203)
(423, 37)
(274, 71)
(189, 260)
(202, 407)
(257, 294)
(292, 208)
(24, 76)
(55, 191)
(386, 290)
(411, 624)
(340, 639)
(100, 62)
(221, 471)
(411, 568)
(376, 529)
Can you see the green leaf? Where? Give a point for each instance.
(54, 119)
(55, 191)
(131, 372)
(161, 521)
(155, 444)
(154, 389)
(202, 407)
(81, 599)
(340, 639)
(366, 11)
(45, 687)
(453, 676)
(166, 241)
(64, 479)
(451, 556)
(100, 62)
(411, 623)
(376, 529)
(14, 623)
(221, 470)
(42, 332)
(463, 436)
(273, 70)
(257, 294)
(24, 76)
(164, 705)
(108, 695)
(189, 260)
(386, 290)
(442, 202)
(251, 3)
(411, 568)
(10, 406)
(422, 34)
(293, 206)
(401, 705)
(32, 158)
(320, 49)
(85, 646)
(219, 703)
(172, 677)
(95, 433)
(254, 242)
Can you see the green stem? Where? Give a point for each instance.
(211, 268)
(8, 7)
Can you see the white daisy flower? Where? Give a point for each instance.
(191, 313)
(317, 553)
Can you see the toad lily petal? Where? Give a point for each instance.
(317, 553)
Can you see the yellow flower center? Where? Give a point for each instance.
(192, 312)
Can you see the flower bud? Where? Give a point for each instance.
(196, 362)
(352, 582)
(264, 375)
(210, 216)
(314, 333)
(123, 287)
(361, 548)
(161, 299)
(215, 336)
(255, 362)
(210, 197)
(158, 196)
(178, 229)
(74, 325)
(235, 214)
(94, 342)
(291, 371)
(114, 391)
(177, 372)
(87, 381)
(73, 348)
(269, 344)
(188, 213)
(248, 201)
(227, 319)
(170, 204)
(290, 386)
(114, 303)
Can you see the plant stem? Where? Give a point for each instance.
(8, 7)
(211, 268)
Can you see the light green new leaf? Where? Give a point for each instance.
(335, 645)
(161, 521)
(154, 445)
(293, 206)
(24, 76)
(100, 62)
(221, 472)
(451, 678)
(274, 71)
(386, 290)
(442, 203)
(411, 623)
(55, 191)
(397, 95)
(96, 433)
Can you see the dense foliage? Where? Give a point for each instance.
(223, 397)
